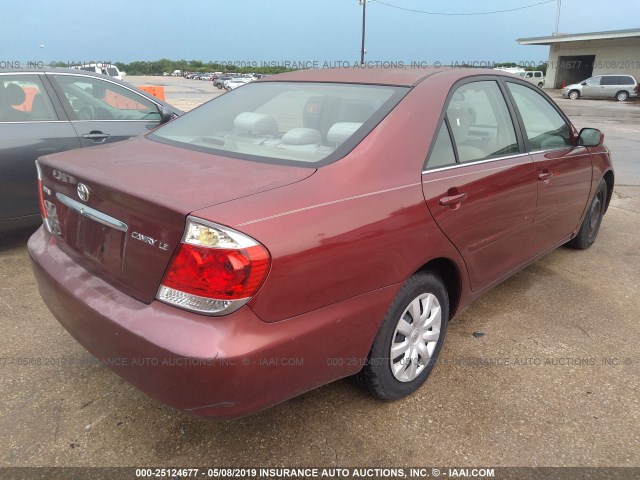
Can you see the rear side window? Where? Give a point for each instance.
(442, 153)
(24, 99)
(544, 126)
(480, 122)
(284, 122)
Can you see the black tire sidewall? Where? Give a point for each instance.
(386, 386)
(582, 240)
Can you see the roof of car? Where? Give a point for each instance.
(53, 70)
(378, 76)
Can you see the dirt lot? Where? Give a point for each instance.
(553, 381)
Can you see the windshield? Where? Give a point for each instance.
(284, 122)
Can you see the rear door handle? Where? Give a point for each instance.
(545, 175)
(452, 200)
(96, 136)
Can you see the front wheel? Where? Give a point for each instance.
(574, 94)
(592, 220)
(409, 340)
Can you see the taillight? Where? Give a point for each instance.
(215, 270)
(43, 209)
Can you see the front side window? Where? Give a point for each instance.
(95, 99)
(593, 81)
(24, 99)
(480, 122)
(283, 122)
(545, 127)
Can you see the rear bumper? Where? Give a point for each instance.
(221, 367)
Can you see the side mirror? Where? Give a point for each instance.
(165, 114)
(590, 137)
(583, 83)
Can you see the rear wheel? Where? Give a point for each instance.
(540, 84)
(574, 94)
(622, 96)
(409, 340)
(592, 220)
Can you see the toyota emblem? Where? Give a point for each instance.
(83, 192)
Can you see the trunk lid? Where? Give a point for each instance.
(140, 193)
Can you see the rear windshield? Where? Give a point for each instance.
(284, 122)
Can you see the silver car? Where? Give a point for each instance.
(620, 87)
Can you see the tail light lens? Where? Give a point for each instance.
(215, 270)
(43, 208)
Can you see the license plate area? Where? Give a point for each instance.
(92, 234)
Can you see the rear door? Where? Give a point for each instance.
(32, 123)
(479, 185)
(563, 170)
(102, 111)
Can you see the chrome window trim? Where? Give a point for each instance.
(21, 73)
(475, 162)
(116, 120)
(37, 121)
(92, 213)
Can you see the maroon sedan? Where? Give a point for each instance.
(308, 227)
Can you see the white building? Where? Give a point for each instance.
(575, 57)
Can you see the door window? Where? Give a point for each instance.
(593, 81)
(480, 122)
(24, 99)
(95, 99)
(545, 128)
(442, 153)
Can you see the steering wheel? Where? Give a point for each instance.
(86, 112)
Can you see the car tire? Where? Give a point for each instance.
(421, 310)
(574, 94)
(219, 86)
(622, 96)
(592, 220)
(540, 84)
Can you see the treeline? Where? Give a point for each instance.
(158, 67)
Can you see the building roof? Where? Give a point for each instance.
(580, 37)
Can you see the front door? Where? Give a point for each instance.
(103, 111)
(563, 170)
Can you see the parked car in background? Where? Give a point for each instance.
(219, 82)
(621, 87)
(310, 226)
(534, 77)
(234, 83)
(50, 111)
(105, 69)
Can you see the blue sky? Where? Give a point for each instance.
(292, 30)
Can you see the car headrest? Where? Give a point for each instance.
(14, 95)
(302, 136)
(340, 131)
(256, 123)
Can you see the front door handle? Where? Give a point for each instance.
(453, 201)
(96, 136)
(545, 175)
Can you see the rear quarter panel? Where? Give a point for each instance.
(355, 226)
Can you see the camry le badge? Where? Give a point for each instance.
(83, 192)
